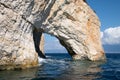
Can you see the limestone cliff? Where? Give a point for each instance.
(77, 27)
(22, 23)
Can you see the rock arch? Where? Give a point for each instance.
(77, 28)
(73, 22)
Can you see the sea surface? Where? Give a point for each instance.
(62, 67)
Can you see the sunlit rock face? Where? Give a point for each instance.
(19, 40)
(77, 27)
(22, 23)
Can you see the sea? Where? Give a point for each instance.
(60, 66)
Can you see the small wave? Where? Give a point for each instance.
(41, 60)
(48, 56)
(50, 60)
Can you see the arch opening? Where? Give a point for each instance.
(52, 45)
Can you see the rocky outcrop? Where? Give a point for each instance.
(18, 45)
(77, 27)
(22, 23)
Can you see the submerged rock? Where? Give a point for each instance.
(22, 23)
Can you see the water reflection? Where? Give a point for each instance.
(57, 69)
(63, 68)
(84, 70)
(26, 74)
(69, 70)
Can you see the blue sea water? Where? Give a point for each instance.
(62, 67)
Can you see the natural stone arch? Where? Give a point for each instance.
(72, 21)
(77, 28)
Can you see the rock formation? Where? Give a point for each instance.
(22, 23)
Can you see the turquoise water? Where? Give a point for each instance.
(62, 67)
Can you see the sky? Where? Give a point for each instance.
(108, 12)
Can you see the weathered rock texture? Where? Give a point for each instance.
(19, 41)
(22, 23)
(77, 27)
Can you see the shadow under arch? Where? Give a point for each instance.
(37, 37)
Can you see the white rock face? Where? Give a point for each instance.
(77, 27)
(17, 46)
(22, 23)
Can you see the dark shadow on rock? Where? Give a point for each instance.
(44, 78)
(37, 38)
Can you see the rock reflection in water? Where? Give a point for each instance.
(26, 74)
(84, 70)
(69, 70)
(57, 69)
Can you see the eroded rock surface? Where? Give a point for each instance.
(22, 23)
(77, 27)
